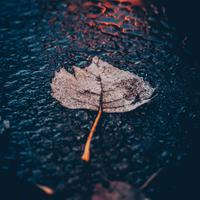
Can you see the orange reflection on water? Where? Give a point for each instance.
(113, 17)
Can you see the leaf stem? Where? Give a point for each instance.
(86, 154)
(150, 179)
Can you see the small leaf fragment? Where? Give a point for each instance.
(46, 189)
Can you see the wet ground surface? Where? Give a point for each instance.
(47, 140)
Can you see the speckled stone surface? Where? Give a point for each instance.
(40, 37)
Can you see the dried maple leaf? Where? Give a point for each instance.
(100, 87)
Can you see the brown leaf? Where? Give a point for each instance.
(100, 87)
(121, 90)
(117, 191)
